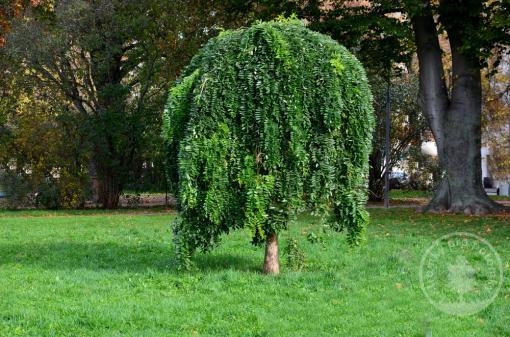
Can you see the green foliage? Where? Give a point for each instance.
(268, 121)
(296, 259)
(408, 125)
(315, 238)
(48, 195)
(16, 187)
(379, 40)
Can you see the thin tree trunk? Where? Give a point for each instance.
(271, 260)
(375, 181)
(455, 122)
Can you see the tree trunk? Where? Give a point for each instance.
(462, 190)
(375, 179)
(94, 181)
(271, 261)
(109, 192)
(455, 121)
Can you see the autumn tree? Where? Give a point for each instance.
(267, 121)
(496, 117)
(112, 60)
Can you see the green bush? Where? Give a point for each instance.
(266, 122)
(66, 192)
(48, 195)
(17, 188)
(296, 259)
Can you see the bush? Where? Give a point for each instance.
(68, 192)
(48, 195)
(17, 188)
(296, 259)
(265, 122)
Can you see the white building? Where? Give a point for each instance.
(501, 186)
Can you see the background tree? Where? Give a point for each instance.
(407, 127)
(496, 118)
(268, 120)
(112, 60)
(40, 148)
(475, 30)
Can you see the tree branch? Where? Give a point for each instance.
(433, 92)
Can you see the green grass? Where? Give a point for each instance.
(407, 194)
(100, 274)
(416, 194)
(30, 213)
(500, 197)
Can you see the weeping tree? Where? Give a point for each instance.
(266, 122)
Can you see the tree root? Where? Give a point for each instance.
(472, 204)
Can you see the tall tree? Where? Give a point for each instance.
(113, 61)
(474, 30)
(266, 121)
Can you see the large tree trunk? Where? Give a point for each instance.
(271, 260)
(110, 189)
(455, 121)
(462, 190)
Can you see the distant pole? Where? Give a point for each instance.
(387, 148)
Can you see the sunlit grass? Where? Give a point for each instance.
(90, 274)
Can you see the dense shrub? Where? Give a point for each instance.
(265, 122)
(48, 195)
(17, 188)
(408, 124)
(67, 192)
(25, 190)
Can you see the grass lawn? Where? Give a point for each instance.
(418, 198)
(100, 274)
(410, 194)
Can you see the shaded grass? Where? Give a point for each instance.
(90, 274)
(410, 194)
(77, 212)
(403, 195)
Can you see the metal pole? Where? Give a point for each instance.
(387, 148)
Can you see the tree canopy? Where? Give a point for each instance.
(110, 64)
(265, 122)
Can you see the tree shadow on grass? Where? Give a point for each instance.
(215, 262)
(113, 257)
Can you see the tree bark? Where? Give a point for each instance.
(455, 121)
(94, 181)
(271, 260)
(375, 180)
(109, 192)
